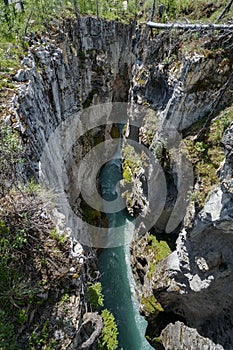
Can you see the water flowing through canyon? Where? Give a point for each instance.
(114, 265)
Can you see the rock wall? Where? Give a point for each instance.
(195, 282)
(183, 84)
(84, 62)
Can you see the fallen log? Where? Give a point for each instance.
(191, 26)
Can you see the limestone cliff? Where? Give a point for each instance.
(84, 62)
(186, 84)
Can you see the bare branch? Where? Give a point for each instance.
(189, 26)
(226, 9)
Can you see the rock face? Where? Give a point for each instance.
(178, 82)
(187, 338)
(86, 62)
(173, 88)
(195, 281)
(200, 277)
(193, 285)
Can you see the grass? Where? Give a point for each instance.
(29, 268)
(199, 10)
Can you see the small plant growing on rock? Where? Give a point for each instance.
(95, 296)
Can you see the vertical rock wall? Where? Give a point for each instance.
(183, 83)
(86, 61)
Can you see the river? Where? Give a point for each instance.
(116, 275)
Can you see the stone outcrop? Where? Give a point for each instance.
(89, 331)
(173, 88)
(187, 338)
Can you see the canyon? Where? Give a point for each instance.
(174, 85)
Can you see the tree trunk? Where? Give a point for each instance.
(97, 8)
(226, 9)
(153, 10)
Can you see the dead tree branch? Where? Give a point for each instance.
(190, 26)
(226, 9)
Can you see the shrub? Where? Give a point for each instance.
(108, 339)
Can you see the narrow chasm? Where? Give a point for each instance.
(133, 132)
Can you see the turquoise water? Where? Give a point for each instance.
(116, 275)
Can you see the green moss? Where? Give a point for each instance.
(127, 174)
(89, 98)
(207, 154)
(157, 340)
(160, 249)
(152, 267)
(95, 296)
(132, 163)
(151, 305)
(81, 55)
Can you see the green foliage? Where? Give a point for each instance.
(201, 146)
(160, 248)
(60, 238)
(10, 159)
(151, 305)
(108, 339)
(15, 291)
(132, 162)
(95, 296)
(206, 155)
(193, 10)
(7, 335)
(9, 241)
(22, 316)
(38, 13)
(40, 339)
(158, 149)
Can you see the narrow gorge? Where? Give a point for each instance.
(168, 97)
